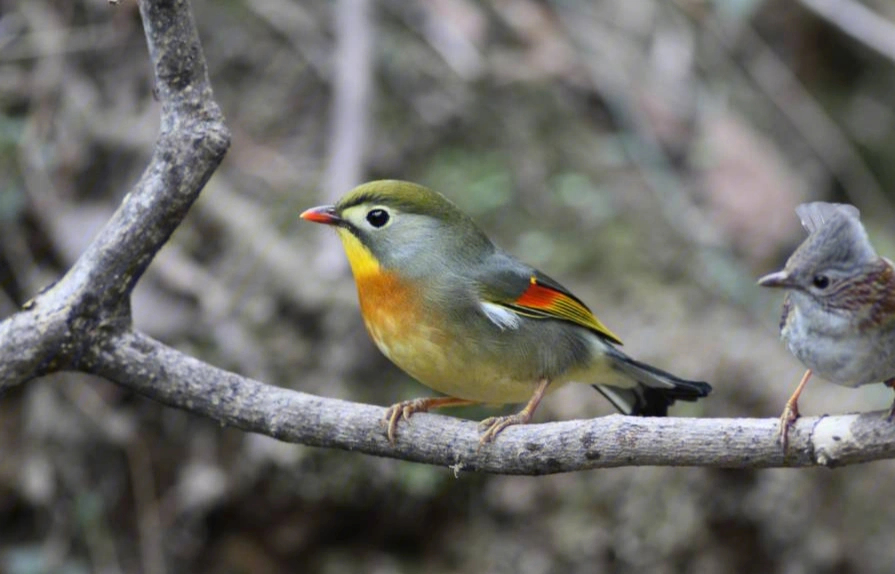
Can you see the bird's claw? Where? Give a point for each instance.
(492, 426)
(401, 411)
(787, 419)
(891, 414)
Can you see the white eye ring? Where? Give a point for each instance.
(378, 217)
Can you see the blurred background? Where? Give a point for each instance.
(647, 154)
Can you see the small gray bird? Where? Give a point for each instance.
(839, 311)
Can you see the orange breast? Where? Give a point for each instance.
(390, 308)
(393, 313)
(405, 331)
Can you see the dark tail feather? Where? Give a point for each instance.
(657, 390)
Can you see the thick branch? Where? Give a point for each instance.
(191, 144)
(149, 367)
(62, 324)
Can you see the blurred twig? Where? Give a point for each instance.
(147, 508)
(351, 98)
(34, 45)
(713, 265)
(437, 22)
(859, 22)
(120, 431)
(826, 139)
(350, 112)
(293, 21)
(277, 255)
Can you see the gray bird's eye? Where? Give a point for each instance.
(821, 281)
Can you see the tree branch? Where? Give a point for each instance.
(60, 326)
(859, 22)
(164, 374)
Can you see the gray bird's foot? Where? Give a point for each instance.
(787, 419)
(891, 415)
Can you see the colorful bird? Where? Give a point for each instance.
(466, 319)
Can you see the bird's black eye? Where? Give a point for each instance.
(377, 217)
(821, 281)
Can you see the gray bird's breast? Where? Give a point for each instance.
(834, 349)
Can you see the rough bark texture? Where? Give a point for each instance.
(166, 375)
(68, 324)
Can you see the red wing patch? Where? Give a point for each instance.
(546, 302)
(539, 297)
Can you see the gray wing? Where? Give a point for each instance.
(813, 215)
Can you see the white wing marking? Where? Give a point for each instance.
(501, 316)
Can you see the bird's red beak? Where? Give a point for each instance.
(323, 214)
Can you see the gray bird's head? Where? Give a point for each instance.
(836, 250)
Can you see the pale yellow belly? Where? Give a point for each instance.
(460, 368)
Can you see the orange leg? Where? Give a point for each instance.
(891, 384)
(791, 411)
(405, 409)
(494, 425)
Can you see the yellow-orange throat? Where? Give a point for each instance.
(388, 304)
(363, 262)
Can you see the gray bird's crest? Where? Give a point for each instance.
(835, 234)
(813, 215)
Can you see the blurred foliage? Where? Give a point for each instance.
(647, 154)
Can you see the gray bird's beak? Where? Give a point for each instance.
(778, 279)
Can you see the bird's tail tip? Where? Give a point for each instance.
(646, 401)
(655, 392)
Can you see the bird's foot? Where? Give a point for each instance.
(891, 415)
(791, 412)
(492, 426)
(405, 409)
(787, 419)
